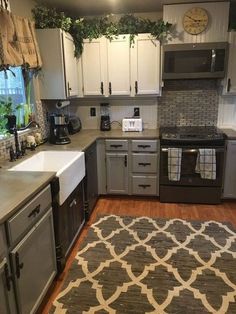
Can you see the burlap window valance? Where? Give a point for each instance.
(18, 43)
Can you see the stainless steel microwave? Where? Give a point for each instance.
(189, 61)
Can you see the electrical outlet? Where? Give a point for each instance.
(136, 112)
(92, 112)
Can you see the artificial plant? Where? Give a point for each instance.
(90, 28)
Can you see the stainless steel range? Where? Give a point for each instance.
(191, 164)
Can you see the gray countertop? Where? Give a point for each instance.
(230, 133)
(18, 187)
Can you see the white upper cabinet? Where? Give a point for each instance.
(118, 60)
(145, 65)
(71, 66)
(94, 67)
(58, 78)
(113, 68)
(230, 81)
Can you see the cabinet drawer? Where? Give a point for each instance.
(144, 163)
(117, 145)
(144, 145)
(28, 215)
(144, 185)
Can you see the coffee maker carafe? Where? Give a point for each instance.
(105, 124)
(59, 129)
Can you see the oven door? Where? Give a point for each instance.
(188, 174)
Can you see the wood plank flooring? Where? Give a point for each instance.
(130, 206)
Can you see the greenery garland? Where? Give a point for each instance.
(92, 28)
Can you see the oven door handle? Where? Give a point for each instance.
(218, 150)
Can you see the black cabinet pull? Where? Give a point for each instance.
(34, 211)
(116, 145)
(228, 85)
(144, 186)
(102, 89)
(19, 265)
(136, 87)
(8, 277)
(110, 90)
(125, 160)
(144, 164)
(69, 88)
(144, 146)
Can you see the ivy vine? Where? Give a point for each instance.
(92, 28)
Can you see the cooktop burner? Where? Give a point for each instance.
(191, 133)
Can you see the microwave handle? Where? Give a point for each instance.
(213, 60)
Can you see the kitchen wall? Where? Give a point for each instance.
(188, 102)
(227, 112)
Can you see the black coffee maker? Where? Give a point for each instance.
(105, 124)
(59, 129)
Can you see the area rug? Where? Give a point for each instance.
(144, 265)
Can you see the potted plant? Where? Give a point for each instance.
(8, 113)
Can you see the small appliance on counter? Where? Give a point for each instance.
(105, 124)
(59, 129)
(132, 125)
(74, 124)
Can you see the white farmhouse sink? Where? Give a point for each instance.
(68, 165)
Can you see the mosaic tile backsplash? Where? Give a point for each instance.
(188, 102)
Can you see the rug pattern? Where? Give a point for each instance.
(145, 265)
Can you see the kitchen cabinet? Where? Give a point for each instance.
(118, 58)
(7, 304)
(106, 66)
(145, 167)
(229, 189)
(145, 65)
(91, 179)
(230, 81)
(68, 221)
(59, 75)
(94, 67)
(117, 166)
(128, 166)
(32, 251)
(113, 68)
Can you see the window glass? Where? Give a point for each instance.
(14, 87)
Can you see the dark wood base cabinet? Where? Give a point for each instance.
(68, 221)
(91, 180)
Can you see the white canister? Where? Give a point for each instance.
(30, 141)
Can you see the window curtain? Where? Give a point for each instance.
(18, 43)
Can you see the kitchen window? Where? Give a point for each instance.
(12, 88)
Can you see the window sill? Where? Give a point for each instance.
(10, 136)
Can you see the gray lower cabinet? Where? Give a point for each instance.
(117, 173)
(7, 298)
(230, 170)
(34, 264)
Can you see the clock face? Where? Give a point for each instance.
(195, 21)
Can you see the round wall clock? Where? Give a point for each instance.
(195, 21)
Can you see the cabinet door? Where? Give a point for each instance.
(118, 52)
(145, 67)
(230, 88)
(34, 264)
(6, 289)
(91, 180)
(230, 171)
(71, 66)
(117, 173)
(94, 67)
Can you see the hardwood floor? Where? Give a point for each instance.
(130, 206)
